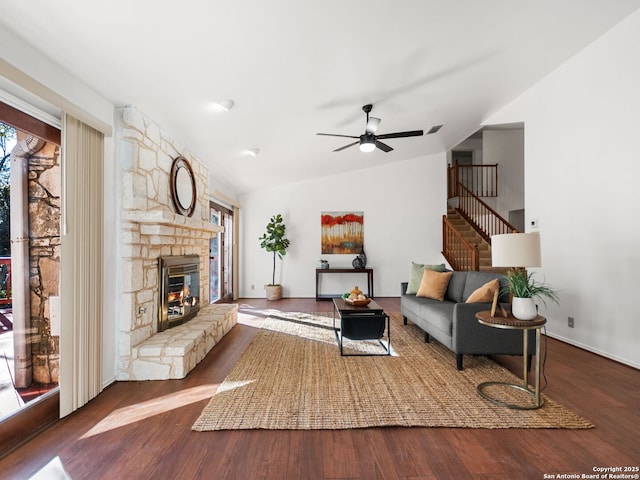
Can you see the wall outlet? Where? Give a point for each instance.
(570, 322)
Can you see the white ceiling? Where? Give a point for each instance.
(296, 67)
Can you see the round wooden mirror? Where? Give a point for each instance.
(183, 187)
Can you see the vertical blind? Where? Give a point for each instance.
(81, 264)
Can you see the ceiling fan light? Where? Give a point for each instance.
(367, 146)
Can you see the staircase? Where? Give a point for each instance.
(467, 230)
(472, 237)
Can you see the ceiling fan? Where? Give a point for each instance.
(369, 140)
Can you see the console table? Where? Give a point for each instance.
(367, 271)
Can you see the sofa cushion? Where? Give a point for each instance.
(429, 315)
(434, 284)
(476, 280)
(438, 315)
(456, 287)
(485, 293)
(417, 269)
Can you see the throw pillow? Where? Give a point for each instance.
(485, 293)
(416, 275)
(434, 284)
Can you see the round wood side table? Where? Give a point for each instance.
(511, 323)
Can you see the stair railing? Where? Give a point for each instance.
(484, 219)
(460, 254)
(482, 180)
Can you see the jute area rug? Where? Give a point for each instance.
(292, 377)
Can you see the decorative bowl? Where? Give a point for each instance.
(358, 303)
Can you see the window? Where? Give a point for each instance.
(30, 186)
(221, 255)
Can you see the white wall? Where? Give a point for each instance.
(581, 179)
(506, 148)
(403, 204)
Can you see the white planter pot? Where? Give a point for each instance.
(523, 308)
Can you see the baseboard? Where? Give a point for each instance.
(107, 382)
(588, 348)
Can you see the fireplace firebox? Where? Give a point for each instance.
(179, 278)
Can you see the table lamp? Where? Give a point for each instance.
(515, 250)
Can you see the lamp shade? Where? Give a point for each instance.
(516, 250)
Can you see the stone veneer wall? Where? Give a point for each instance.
(44, 259)
(44, 181)
(150, 228)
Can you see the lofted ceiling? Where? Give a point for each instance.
(296, 67)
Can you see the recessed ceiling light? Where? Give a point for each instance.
(253, 152)
(224, 105)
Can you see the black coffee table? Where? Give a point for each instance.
(368, 322)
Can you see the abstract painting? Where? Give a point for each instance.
(342, 232)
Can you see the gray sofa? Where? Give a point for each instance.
(452, 322)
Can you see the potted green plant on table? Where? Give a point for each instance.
(275, 242)
(525, 289)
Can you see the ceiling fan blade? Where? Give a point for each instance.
(347, 146)
(336, 135)
(383, 146)
(372, 125)
(412, 133)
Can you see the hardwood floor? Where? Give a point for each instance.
(141, 430)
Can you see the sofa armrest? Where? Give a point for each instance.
(403, 288)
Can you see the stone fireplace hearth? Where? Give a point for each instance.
(175, 352)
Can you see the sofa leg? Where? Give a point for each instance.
(459, 361)
(427, 339)
(404, 319)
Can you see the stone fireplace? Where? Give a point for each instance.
(154, 234)
(179, 290)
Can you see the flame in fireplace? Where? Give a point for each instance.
(179, 281)
(184, 296)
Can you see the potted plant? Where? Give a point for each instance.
(324, 264)
(274, 241)
(524, 289)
